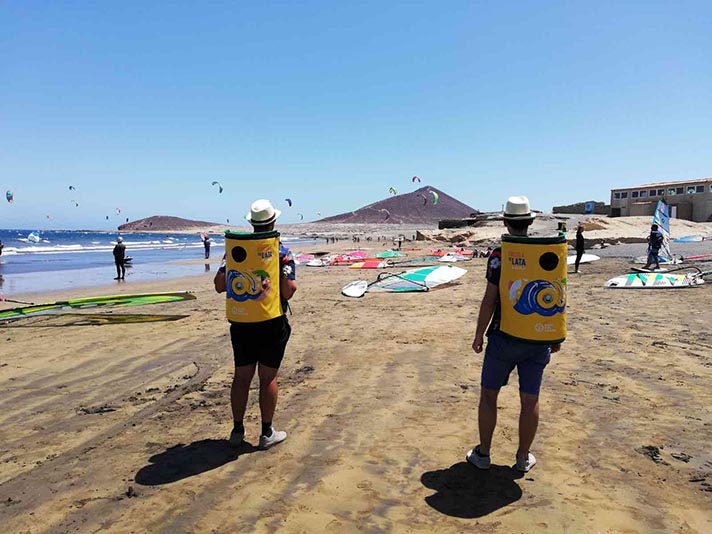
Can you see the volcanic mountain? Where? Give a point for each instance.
(415, 207)
(164, 223)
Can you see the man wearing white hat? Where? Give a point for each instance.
(260, 346)
(503, 354)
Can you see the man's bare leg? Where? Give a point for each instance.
(528, 423)
(241, 390)
(268, 392)
(487, 418)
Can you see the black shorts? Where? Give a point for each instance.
(260, 342)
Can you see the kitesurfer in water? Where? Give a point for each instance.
(1, 247)
(260, 346)
(119, 258)
(206, 245)
(503, 354)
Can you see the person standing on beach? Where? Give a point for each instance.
(655, 241)
(503, 354)
(206, 245)
(260, 346)
(579, 246)
(119, 258)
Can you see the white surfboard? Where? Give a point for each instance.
(586, 258)
(355, 289)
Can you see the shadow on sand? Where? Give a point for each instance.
(183, 461)
(464, 491)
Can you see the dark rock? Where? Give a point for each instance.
(653, 453)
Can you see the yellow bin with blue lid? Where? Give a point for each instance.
(252, 276)
(532, 288)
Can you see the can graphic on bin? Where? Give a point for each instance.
(532, 288)
(252, 276)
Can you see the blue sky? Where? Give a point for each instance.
(141, 105)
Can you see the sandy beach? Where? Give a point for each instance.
(122, 427)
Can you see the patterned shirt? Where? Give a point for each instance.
(494, 272)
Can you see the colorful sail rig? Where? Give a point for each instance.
(390, 254)
(661, 217)
(139, 299)
(421, 279)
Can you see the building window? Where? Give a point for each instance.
(618, 195)
(643, 194)
(671, 191)
(690, 189)
(624, 194)
(653, 192)
(633, 194)
(700, 189)
(661, 192)
(680, 190)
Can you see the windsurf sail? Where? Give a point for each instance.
(661, 217)
(139, 299)
(390, 254)
(422, 279)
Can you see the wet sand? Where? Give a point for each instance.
(122, 427)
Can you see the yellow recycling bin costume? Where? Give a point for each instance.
(532, 288)
(252, 258)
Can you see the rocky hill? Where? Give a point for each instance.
(164, 223)
(415, 207)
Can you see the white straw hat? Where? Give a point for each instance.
(517, 209)
(262, 213)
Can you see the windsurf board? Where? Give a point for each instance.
(355, 289)
(641, 270)
(654, 281)
(586, 258)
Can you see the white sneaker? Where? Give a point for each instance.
(480, 461)
(236, 438)
(278, 436)
(526, 465)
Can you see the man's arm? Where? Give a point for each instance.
(487, 307)
(220, 281)
(287, 288)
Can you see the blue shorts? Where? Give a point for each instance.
(503, 354)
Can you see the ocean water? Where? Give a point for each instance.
(67, 259)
